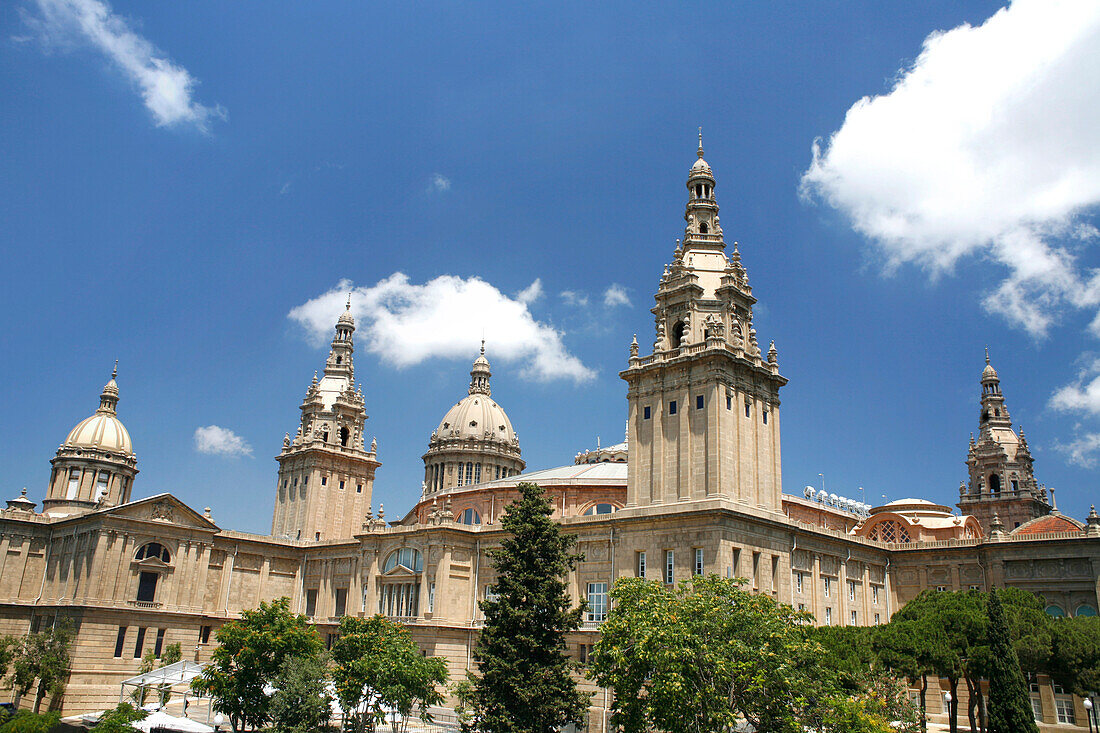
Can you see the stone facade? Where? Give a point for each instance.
(699, 492)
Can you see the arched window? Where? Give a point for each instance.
(702, 227)
(470, 516)
(1055, 611)
(344, 435)
(151, 550)
(994, 484)
(889, 531)
(599, 509)
(1085, 610)
(339, 360)
(677, 334)
(406, 557)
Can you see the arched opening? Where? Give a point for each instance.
(324, 436)
(599, 509)
(1055, 611)
(994, 484)
(153, 550)
(698, 190)
(344, 435)
(677, 334)
(406, 557)
(339, 360)
(703, 227)
(470, 516)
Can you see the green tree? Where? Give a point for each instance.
(1009, 707)
(249, 655)
(119, 720)
(905, 647)
(525, 680)
(301, 702)
(699, 656)
(42, 657)
(26, 721)
(1075, 653)
(379, 668)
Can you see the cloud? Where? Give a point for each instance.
(531, 293)
(406, 324)
(1082, 395)
(615, 295)
(574, 298)
(986, 146)
(1083, 450)
(218, 441)
(166, 88)
(439, 183)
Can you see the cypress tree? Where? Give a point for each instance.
(525, 682)
(1009, 706)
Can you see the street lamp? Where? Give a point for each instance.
(950, 718)
(1088, 712)
(219, 721)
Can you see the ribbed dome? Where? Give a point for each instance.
(700, 165)
(476, 416)
(102, 430)
(989, 372)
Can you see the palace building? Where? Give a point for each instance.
(696, 487)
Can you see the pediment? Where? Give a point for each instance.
(152, 563)
(161, 509)
(400, 572)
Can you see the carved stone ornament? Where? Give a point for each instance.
(161, 510)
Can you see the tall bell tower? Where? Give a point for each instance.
(326, 475)
(704, 406)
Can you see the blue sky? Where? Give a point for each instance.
(177, 179)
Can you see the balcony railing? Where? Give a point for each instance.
(145, 604)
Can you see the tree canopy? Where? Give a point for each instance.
(42, 657)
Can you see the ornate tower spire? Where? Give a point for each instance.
(108, 399)
(480, 373)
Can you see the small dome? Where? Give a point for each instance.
(700, 165)
(479, 417)
(989, 372)
(102, 430)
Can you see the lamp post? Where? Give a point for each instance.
(219, 721)
(950, 717)
(1088, 711)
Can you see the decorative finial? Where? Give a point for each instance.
(986, 354)
(483, 346)
(24, 493)
(700, 151)
(114, 372)
(348, 306)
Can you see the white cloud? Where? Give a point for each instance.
(404, 324)
(615, 295)
(166, 88)
(1082, 395)
(439, 183)
(218, 441)
(531, 293)
(574, 298)
(986, 146)
(1083, 450)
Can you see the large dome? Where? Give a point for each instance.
(477, 416)
(103, 431)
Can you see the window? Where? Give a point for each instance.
(159, 644)
(851, 590)
(204, 635)
(828, 584)
(597, 603)
(341, 601)
(477, 473)
(645, 412)
(469, 472)
(853, 621)
(1055, 611)
(406, 557)
(975, 587)
(101, 486)
(748, 409)
(874, 595)
(324, 479)
(140, 642)
(670, 570)
(1085, 610)
(640, 565)
(359, 489)
(828, 617)
(431, 597)
(698, 560)
(151, 550)
(147, 587)
(672, 407)
(599, 509)
(756, 570)
(311, 602)
(798, 582)
(699, 402)
(878, 619)
(399, 599)
(341, 486)
(1036, 697)
(120, 641)
(344, 435)
(729, 402)
(801, 607)
(941, 588)
(889, 531)
(764, 414)
(74, 484)
(470, 516)
(1063, 706)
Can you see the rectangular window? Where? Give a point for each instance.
(204, 635)
(120, 641)
(341, 601)
(854, 619)
(477, 473)
(756, 570)
(640, 571)
(597, 603)
(828, 617)
(1063, 706)
(140, 642)
(341, 486)
(764, 414)
(101, 485)
(672, 407)
(324, 481)
(311, 602)
(431, 597)
(159, 644)
(801, 606)
(670, 567)
(359, 489)
(736, 561)
(645, 412)
(775, 572)
(878, 619)
(147, 587)
(74, 484)
(874, 595)
(798, 582)
(729, 402)
(698, 560)
(748, 410)
(941, 588)
(827, 585)
(851, 590)
(699, 402)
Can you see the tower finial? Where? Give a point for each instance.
(348, 306)
(986, 354)
(483, 346)
(700, 151)
(114, 372)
